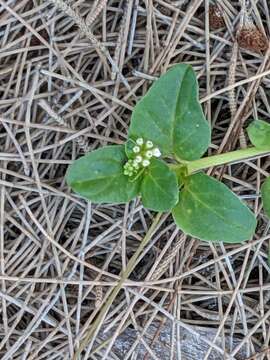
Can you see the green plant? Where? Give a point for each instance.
(161, 162)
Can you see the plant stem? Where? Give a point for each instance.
(221, 159)
(115, 290)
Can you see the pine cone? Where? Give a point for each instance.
(251, 38)
(216, 20)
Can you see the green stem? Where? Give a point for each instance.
(221, 159)
(115, 290)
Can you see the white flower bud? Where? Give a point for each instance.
(135, 165)
(145, 163)
(138, 159)
(149, 154)
(149, 144)
(136, 149)
(139, 141)
(156, 152)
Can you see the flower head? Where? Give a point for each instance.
(140, 157)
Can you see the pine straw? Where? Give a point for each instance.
(65, 91)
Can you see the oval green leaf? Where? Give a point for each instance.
(98, 176)
(208, 210)
(159, 188)
(265, 190)
(259, 134)
(171, 116)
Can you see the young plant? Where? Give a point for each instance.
(161, 162)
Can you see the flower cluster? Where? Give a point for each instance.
(142, 152)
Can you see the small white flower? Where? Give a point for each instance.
(136, 149)
(149, 154)
(156, 152)
(139, 141)
(149, 144)
(145, 163)
(138, 159)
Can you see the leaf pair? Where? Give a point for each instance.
(207, 209)
(99, 177)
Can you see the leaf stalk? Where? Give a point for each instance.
(222, 159)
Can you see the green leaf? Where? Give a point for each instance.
(171, 116)
(129, 145)
(259, 134)
(98, 176)
(208, 210)
(265, 190)
(159, 187)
